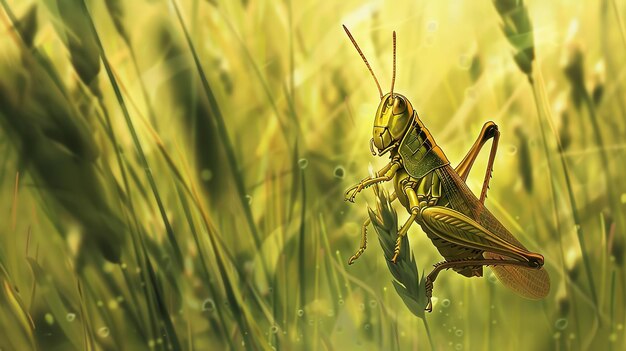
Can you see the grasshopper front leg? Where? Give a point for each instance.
(384, 175)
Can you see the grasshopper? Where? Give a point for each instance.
(437, 198)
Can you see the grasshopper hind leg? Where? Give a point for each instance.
(432, 276)
(455, 227)
(363, 245)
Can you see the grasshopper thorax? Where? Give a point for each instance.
(392, 120)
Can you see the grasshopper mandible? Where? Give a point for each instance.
(436, 196)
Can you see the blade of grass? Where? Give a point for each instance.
(135, 137)
(230, 152)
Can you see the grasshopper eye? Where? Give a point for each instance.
(399, 106)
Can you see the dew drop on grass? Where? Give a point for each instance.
(458, 347)
(459, 332)
(206, 175)
(432, 26)
(512, 149)
(104, 332)
(274, 329)
(70, 317)
(208, 305)
(429, 40)
(366, 326)
(49, 318)
(445, 303)
(561, 324)
(373, 303)
(303, 163)
(248, 199)
(464, 61)
(340, 302)
(300, 313)
(339, 172)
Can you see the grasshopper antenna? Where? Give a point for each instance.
(380, 91)
(393, 77)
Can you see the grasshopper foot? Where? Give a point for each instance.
(355, 256)
(394, 259)
(429, 295)
(350, 194)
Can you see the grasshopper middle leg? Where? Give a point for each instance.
(363, 245)
(421, 194)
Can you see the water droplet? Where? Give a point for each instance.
(330, 313)
(458, 332)
(429, 40)
(339, 172)
(445, 303)
(561, 324)
(100, 303)
(464, 61)
(124, 266)
(49, 318)
(432, 26)
(70, 317)
(373, 303)
(512, 149)
(303, 163)
(366, 326)
(274, 329)
(340, 302)
(470, 93)
(206, 175)
(112, 304)
(458, 347)
(248, 199)
(208, 305)
(613, 337)
(104, 332)
(300, 313)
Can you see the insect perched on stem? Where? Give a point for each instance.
(436, 196)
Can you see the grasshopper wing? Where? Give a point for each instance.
(527, 282)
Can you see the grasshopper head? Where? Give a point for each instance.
(394, 114)
(393, 117)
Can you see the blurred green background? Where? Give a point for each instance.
(172, 172)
